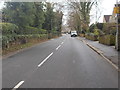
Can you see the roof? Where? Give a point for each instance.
(107, 17)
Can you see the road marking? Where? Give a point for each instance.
(58, 47)
(45, 59)
(52, 39)
(18, 85)
(62, 42)
(115, 66)
(101, 54)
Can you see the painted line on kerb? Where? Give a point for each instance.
(116, 67)
(58, 47)
(18, 85)
(45, 59)
(101, 54)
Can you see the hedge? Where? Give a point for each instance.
(33, 30)
(110, 28)
(8, 28)
(11, 33)
(82, 35)
(107, 39)
(7, 39)
(91, 36)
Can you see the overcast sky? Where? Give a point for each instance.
(106, 7)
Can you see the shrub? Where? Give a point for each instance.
(42, 31)
(30, 30)
(91, 36)
(82, 35)
(96, 32)
(109, 28)
(11, 34)
(8, 28)
(92, 27)
(107, 39)
(33, 30)
(100, 26)
(7, 39)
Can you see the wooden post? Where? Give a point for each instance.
(117, 12)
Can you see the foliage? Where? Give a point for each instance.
(8, 28)
(58, 21)
(25, 20)
(96, 32)
(107, 39)
(92, 27)
(96, 26)
(53, 20)
(19, 13)
(99, 26)
(39, 14)
(81, 15)
(91, 36)
(7, 39)
(33, 15)
(49, 18)
(109, 28)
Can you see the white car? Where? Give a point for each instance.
(73, 34)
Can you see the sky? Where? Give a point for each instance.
(106, 7)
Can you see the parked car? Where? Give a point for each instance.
(73, 34)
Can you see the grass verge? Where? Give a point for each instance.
(14, 48)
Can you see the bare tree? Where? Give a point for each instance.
(82, 10)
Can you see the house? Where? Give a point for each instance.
(106, 18)
(113, 17)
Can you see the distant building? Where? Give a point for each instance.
(106, 18)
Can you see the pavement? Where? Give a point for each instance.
(64, 62)
(108, 51)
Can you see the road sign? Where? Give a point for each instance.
(116, 10)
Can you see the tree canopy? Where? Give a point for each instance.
(39, 15)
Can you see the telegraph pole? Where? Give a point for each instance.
(117, 26)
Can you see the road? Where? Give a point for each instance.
(64, 62)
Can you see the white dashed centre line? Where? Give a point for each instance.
(18, 85)
(62, 42)
(52, 39)
(45, 59)
(58, 47)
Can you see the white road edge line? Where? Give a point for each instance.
(18, 85)
(45, 59)
(58, 47)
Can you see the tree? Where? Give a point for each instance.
(39, 14)
(82, 9)
(32, 17)
(74, 22)
(49, 17)
(19, 13)
(58, 17)
(53, 19)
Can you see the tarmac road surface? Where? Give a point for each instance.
(65, 62)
